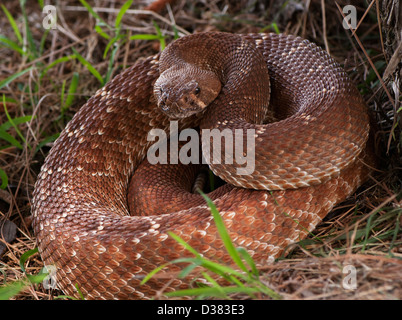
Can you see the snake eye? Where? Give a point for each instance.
(197, 90)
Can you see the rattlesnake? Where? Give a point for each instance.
(305, 163)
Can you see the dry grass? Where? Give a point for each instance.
(364, 231)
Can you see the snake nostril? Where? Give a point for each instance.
(163, 105)
(162, 100)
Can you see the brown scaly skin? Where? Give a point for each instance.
(81, 216)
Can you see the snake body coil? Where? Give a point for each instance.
(309, 160)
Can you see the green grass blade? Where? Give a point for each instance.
(47, 140)
(25, 256)
(33, 52)
(224, 271)
(55, 62)
(212, 291)
(102, 33)
(63, 296)
(371, 223)
(62, 92)
(43, 41)
(94, 14)
(12, 121)
(79, 292)
(160, 35)
(215, 285)
(12, 289)
(11, 100)
(111, 43)
(10, 139)
(4, 179)
(184, 244)
(121, 13)
(175, 32)
(7, 125)
(11, 45)
(153, 272)
(193, 262)
(111, 63)
(71, 92)
(11, 78)
(271, 26)
(9, 290)
(246, 256)
(156, 270)
(37, 278)
(13, 24)
(90, 68)
(210, 265)
(227, 241)
(144, 37)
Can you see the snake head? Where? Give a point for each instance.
(182, 92)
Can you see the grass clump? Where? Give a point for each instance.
(243, 281)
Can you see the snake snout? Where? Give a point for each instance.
(164, 107)
(162, 98)
(180, 101)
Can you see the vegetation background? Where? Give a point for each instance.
(46, 74)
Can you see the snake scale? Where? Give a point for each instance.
(306, 162)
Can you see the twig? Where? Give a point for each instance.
(324, 25)
(380, 30)
(362, 18)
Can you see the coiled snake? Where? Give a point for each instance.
(305, 163)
